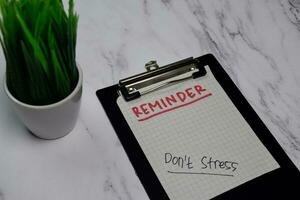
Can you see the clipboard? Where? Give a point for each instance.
(281, 182)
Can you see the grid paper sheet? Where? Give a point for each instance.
(199, 146)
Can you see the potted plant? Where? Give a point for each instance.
(42, 79)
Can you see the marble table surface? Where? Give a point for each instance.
(258, 43)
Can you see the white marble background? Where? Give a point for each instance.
(258, 43)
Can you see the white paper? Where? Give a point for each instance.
(199, 146)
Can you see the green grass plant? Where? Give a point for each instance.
(39, 44)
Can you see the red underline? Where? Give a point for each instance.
(179, 106)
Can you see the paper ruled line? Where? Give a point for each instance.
(174, 108)
(200, 173)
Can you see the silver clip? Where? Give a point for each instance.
(158, 77)
(151, 65)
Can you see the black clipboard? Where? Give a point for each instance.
(282, 183)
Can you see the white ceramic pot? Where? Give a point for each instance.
(50, 121)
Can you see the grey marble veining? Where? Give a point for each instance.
(1, 196)
(257, 42)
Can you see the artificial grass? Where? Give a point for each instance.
(39, 45)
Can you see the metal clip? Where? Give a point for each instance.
(158, 77)
(151, 65)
